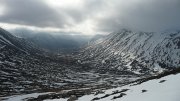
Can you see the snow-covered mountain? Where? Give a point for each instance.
(140, 52)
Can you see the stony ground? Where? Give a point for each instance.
(29, 74)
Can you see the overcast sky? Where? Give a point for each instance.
(90, 16)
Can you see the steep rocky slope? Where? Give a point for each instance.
(140, 52)
(20, 44)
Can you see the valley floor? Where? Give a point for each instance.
(164, 89)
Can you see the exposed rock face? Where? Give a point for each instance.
(141, 52)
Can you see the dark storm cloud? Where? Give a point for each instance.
(106, 15)
(144, 15)
(39, 14)
(31, 12)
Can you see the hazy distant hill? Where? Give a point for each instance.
(56, 42)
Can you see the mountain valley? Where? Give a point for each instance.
(117, 59)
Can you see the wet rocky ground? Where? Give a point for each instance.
(54, 74)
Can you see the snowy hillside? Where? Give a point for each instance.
(141, 52)
(163, 89)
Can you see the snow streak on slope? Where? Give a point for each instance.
(135, 51)
(164, 89)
